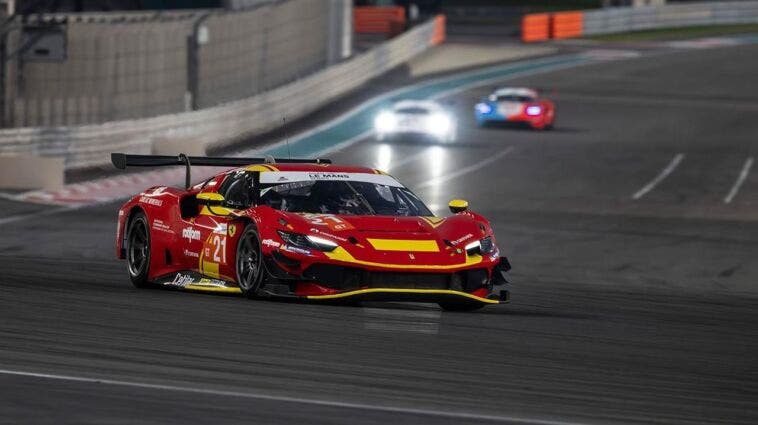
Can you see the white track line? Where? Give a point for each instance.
(315, 402)
(660, 177)
(741, 179)
(466, 170)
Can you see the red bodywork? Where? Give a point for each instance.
(188, 237)
(537, 120)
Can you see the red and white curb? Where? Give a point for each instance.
(102, 190)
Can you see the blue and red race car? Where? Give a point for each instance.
(516, 105)
(308, 230)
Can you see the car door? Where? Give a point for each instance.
(218, 227)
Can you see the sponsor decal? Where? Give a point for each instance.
(182, 280)
(282, 179)
(462, 239)
(161, 226)
(191, 234)
(328, 235)
(328, 176)
(296, 250)
(232, 230)
(271, 243)
(411, 256)
(220, 229)
(120, 213)
(211, 282)
(188, 253)
(150, 201)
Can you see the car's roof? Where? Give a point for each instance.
(311, 167)
(425, 104)
(515, 91)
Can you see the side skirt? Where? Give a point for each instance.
(194, 281)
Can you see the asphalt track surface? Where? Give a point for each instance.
(624, 310)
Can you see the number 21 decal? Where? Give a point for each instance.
(218, 247)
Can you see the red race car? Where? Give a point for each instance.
(309, 230)
(516, 105)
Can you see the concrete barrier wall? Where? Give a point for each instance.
(626, 19)
(90, 145)
(121, 66)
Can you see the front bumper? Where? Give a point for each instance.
(328, 281)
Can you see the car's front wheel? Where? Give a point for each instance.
(138, 250)
(250, 268)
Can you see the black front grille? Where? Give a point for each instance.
(347, 278)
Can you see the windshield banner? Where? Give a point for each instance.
(300, 176)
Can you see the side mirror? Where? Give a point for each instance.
(210, 198)
(457, 205)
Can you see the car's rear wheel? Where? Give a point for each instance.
(138, 250)
(250, 268)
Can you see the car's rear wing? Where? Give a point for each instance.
(122, 160)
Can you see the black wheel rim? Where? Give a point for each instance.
(139, 248)
(248, 262)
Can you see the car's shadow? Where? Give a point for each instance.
(526, 128)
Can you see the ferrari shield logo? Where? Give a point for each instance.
(232, 230)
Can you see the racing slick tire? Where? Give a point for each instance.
(249, 262)
(138, 250)
(460, 305)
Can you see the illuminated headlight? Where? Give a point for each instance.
(533, 111)
(481, 247)
(483, 108)
(439, 124)
(307, 241)
(322, 244)
(385, 122)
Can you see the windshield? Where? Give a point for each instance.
(513, 98)
(342, 197)
(413, 110)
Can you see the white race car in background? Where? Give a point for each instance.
(415, 118)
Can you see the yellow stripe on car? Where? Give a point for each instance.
(208, 288)
(402, 291)
(409, 245)
(340, 254)
(433, 221)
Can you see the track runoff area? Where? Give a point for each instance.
(632, 232)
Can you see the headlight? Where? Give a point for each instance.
(307, 241)
(439, 124)
(533, 111)
(482, 247)
(483, 108)
(385, 122)
(322, 244)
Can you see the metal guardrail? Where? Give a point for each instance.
(90, 145)
(627, 19)
(541, 27)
